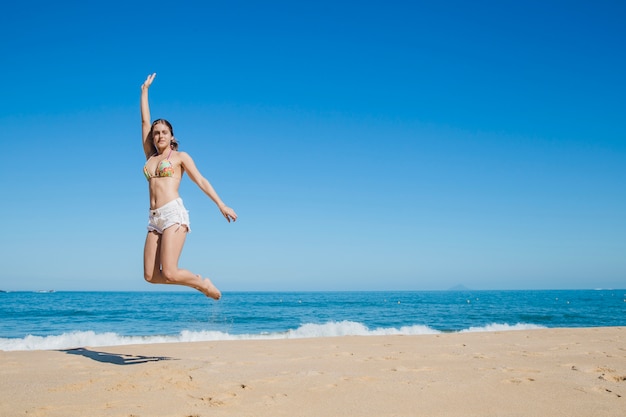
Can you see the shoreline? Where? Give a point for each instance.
(572, 372)
(344, 328)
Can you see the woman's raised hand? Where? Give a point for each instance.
(146, 84)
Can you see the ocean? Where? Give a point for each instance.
(64, 320)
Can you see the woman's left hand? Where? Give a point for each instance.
(228, 213)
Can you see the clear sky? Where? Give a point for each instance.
(365, 145)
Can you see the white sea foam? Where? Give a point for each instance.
(310, 330)
(500, 327)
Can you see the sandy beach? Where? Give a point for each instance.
(547, 372)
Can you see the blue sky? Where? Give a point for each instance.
(378, 145)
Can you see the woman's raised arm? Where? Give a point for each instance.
(148, 147)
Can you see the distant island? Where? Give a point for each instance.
(459, 287)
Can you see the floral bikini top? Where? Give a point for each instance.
(164, 169)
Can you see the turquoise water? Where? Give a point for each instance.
(71, 319)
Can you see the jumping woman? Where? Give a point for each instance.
(168, 223)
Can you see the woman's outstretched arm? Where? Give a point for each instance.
(206, 186)
(148, 147)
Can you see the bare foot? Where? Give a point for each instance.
(210, 290)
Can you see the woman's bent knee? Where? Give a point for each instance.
(170, 275)
(149, 278)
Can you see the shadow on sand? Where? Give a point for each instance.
(115, 358)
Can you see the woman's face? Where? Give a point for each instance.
(161, 135)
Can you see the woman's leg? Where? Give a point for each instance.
(169, 248)
(152, 259)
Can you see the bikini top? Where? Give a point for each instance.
(164, 169)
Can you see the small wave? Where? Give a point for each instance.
(502, 327)
(309, 330)
(350, 328)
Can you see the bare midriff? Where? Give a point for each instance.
(163, 190)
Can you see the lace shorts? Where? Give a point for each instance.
(168, 215)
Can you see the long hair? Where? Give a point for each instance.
(173, 142)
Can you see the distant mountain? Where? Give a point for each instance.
(459, 287)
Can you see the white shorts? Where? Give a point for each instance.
(168, 215)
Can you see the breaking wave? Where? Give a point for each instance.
(310, 330)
